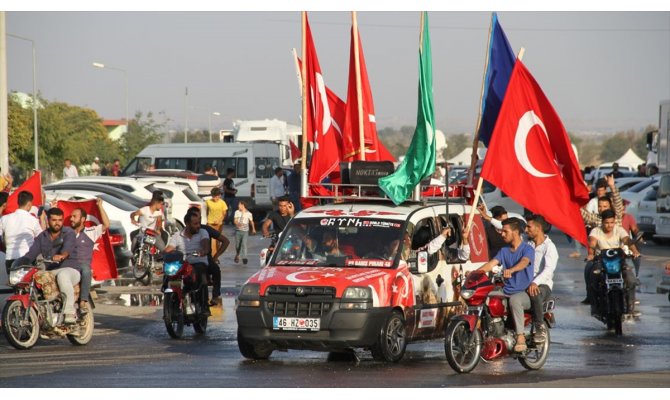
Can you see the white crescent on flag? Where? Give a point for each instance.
(526, 123)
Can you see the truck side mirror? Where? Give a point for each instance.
(422, 262)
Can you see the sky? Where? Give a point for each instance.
(602, 71)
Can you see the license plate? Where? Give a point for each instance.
(646, 220)
(261, 190)
(614, 281)
(296, 324)
(149, 239)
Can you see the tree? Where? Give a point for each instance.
(142, 131)
(617, 145)
(456, 144)
(20, 136)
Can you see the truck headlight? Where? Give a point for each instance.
(250, 295)
(356, 298)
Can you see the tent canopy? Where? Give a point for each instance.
(465, 156)
(629, 159)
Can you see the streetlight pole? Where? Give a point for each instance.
(215, 113)
(36, 137)
(125, 76)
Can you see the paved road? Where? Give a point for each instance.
(131, 348)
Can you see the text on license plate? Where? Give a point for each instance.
(296, 324)
(613, 281)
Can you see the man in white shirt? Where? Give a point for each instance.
(546, 259)
(194, 239)
(277, 188)
(70, 171)
(19, 229)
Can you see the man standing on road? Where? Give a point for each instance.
(69, 171)
(517, 261)
(19, 229)
(277, 187)
(229, 195)
(57, 243)
(83, 248)
(546, 259)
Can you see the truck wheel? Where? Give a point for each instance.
(391, 344)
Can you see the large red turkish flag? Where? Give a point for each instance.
(373, 147)
(531, 159)
(103, 265)
(323, 126)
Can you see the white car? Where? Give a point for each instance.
(117, 210)
(626, 183)
(145, 188)
(639, 204)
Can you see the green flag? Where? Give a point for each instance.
(419, 162)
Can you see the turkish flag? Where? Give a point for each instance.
(295, 151)
(351, 137)
(103, 264)
(325, 114)
(531, 159)
(32, 185)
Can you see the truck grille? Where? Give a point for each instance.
(299, 301)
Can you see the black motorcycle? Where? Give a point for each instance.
(612, 298)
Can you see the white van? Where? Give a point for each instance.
(253, 162)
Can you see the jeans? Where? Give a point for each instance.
(231, 202)
(85, 282)
(67, 277)
(637, 261)
(214, 270)
(517, 303)
(537, 303)
(241, 243)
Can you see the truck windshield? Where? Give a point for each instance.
(340, 242)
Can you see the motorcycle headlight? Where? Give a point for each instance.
(171, 268)
(16, 275)
(467, 294)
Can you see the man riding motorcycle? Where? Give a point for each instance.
(609, 236)
(57, 243)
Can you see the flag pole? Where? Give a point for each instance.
(298, 73)
(359, 92)
(481, 181)
(475, 141)
(303, 170)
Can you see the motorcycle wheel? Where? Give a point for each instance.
(253, 352)
(616, 306)
(537, 353)
(462, 346)
(140, 265)
(20, 335)
(85, 331)
(391, 344)
(173, 316)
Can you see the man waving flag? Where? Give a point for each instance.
(531, 159)
(419, 162)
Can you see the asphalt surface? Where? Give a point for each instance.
(131, 348)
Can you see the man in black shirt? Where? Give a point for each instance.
(229, 194)
(494, 238)
(279, 219)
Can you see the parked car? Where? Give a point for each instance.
(642, 212)
(647, 215)
(626, 183)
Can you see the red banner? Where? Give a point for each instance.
(32, 185)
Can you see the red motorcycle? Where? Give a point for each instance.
(183, 299)
(486, 330)
(144, 256)
(36, 310)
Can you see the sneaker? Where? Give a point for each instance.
(575, 254)
(586, 301)
(245, 261)
(540, 335)
(69, 319)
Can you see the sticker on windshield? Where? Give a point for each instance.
(369, 263)
(357, 222)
